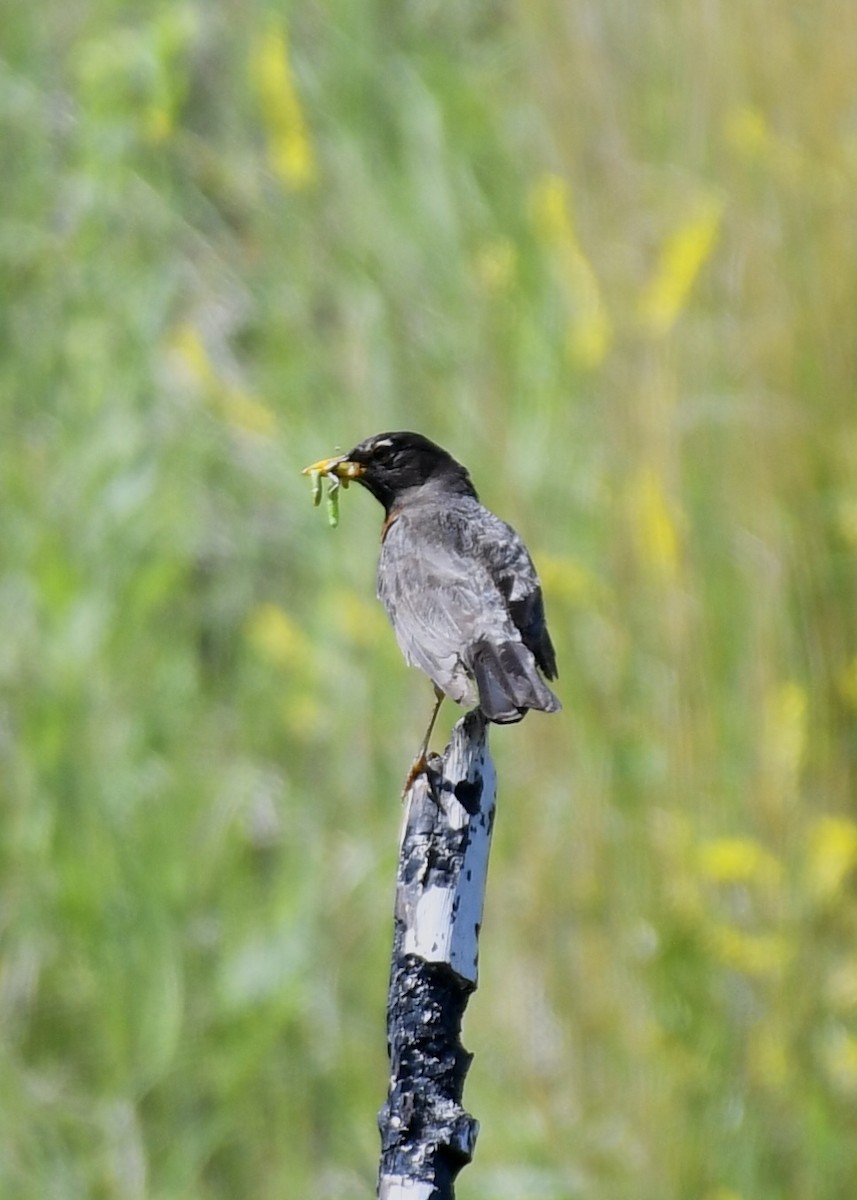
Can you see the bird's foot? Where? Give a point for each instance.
(418, 767)
(430, 765)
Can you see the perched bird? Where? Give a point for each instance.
(458, 583)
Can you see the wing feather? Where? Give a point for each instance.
(455, 578)
(439, 602)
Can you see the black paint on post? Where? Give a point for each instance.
(426, 1135)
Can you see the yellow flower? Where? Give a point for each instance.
(655, 524)
(831, 855)
(738, 860)
(190, 348)
(846, 682)
(566, 579)
(846, 517)
(290, 149)
(590, 331)
(363, 623)
(746, 130)
(239, 408)
(683, 256)
(784, 734)
(755, 954)
(246, 412)
(274, 635)
(748, 133)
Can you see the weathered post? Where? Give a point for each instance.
(426, 1135)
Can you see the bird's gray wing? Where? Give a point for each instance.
(506, 559)
(440, 600)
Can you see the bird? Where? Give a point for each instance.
(457, 582)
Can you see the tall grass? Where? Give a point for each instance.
(607, 255)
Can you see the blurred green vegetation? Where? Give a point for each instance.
(607, 254)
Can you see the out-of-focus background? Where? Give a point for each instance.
(607, 254)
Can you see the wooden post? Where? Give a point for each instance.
(426, 1136)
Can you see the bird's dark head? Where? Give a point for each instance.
(390, 464)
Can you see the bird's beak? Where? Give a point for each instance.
(340, 466)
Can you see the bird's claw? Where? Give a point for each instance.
(430, 765)
(418, 767)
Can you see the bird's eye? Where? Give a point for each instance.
(384, 451)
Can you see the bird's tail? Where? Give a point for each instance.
(508, 682)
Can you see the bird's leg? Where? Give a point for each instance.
(419, 765)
